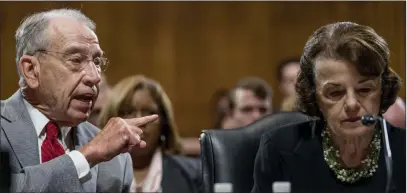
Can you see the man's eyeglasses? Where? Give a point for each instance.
(78, 61)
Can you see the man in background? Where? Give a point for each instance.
(249, 100)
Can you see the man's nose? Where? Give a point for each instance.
(92, 75)
(256, 114)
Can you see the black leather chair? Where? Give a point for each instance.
(228, 155)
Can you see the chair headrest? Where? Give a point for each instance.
(267, 122)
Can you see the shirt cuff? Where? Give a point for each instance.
(81, 164)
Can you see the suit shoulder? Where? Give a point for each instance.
(2, 106)
(285, 138)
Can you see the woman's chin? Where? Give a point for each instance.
(356, 131)
(138, 151)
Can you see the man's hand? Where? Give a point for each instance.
(118, 136)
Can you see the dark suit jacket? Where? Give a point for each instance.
(181, 174)
(294, 153)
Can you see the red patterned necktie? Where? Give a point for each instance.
(51, 148)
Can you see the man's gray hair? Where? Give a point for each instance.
(31, 35)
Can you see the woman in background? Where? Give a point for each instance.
(288, 104)
(158, 167)
(344, 75)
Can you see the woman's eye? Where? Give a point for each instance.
(335, 95)
(147, 113)
(125, 112)
(364, 91)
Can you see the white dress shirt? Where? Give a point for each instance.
(66, 139)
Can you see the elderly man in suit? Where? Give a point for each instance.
(43, 125)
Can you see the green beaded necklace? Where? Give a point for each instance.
(351, 175)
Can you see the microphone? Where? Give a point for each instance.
(370, 120)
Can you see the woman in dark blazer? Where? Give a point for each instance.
(159, 167)
(344, 76)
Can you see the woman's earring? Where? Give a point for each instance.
(162, 138)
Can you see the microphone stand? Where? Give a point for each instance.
(387, 154)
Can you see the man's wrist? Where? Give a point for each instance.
(81, 164)
(88, 152)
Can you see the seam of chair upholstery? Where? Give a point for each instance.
(289, 124)
(207, 162)
(212, 161)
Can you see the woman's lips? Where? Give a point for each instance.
(352, 119)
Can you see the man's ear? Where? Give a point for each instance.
(29, 68)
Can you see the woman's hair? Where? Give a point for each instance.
(349, 42)
(122, 94)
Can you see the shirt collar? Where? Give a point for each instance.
(154, 176)
(40, 120)
(152, 182)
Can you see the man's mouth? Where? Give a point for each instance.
(87, 98)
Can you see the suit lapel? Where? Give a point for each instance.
(80, 140)
(20, 131)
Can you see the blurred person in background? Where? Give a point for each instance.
(288, 105)
(104, 91)
(344, 75)
(287, 72)
(159, 167)
(221, 112)
(396, 114)
(222, 120)
(249, 100)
